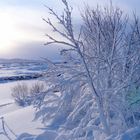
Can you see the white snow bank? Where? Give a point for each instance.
(8, 107)
(131, 134)
(21, 121)
(48, 135)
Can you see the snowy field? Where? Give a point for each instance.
(18, 119)
(18, 123)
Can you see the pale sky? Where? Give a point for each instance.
(22, 28)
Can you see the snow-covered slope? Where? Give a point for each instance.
(18, 119)
(21, 121)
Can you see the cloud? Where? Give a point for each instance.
(36, 50)
(30, 28)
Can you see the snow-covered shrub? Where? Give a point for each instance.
(25, 95)
(101, 63)
(20, 93)
(37, 88)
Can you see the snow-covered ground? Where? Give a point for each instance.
(19, 120)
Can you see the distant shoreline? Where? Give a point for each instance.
(20, 78)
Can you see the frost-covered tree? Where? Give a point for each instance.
(88, 94)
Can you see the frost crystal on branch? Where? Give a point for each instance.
(89, 94)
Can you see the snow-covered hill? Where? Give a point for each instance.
(17, 119)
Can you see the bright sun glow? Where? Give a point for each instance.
(11, 34)
(7, 33)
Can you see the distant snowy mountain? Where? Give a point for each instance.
(18, 60)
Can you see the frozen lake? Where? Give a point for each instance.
(13, 70)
